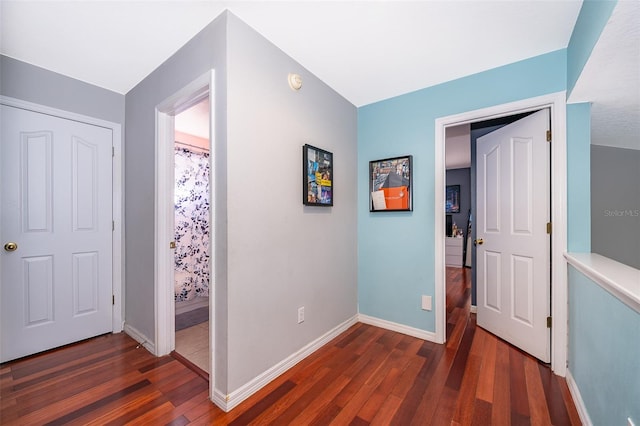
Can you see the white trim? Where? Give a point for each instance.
(119, 257)
(136, 335)
(559, 287)
(221, 400)
(557, 103)
(473, 309)
(399, 328)
(117, 242)
(164, 234)
(190, 305)
(440, 233)
(620, 280)
(210, 79)
(577, 400)
(228, 402)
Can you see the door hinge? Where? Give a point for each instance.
(113, 151)
(548, 135)
(113, 299)
(113, 225)
(548, 322)
(548, 227)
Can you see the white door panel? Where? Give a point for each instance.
(493, 293)
(56, 205)
(513, 210)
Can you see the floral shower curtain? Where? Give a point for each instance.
(191, 224)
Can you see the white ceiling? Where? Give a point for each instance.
(365, 50)
(611, 80)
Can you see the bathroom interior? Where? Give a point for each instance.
(192, 234)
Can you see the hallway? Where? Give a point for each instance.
(367, 375)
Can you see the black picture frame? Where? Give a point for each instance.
(391, 184)
(452, 199)
(317, 177)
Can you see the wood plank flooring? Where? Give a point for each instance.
(366, 376)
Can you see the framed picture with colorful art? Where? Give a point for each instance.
(391, 184)
(452, 199)
(317, 177)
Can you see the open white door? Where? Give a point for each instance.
(56, 230)
(513, 246)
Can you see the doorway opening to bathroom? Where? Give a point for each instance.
(192, 240)
(202, 88)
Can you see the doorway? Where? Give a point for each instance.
(513, 250)
(192, 238)
(460, 212)
(165, 307)
(556, 103)
(457, 213)
(460, 191)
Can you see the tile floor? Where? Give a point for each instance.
(193, 344)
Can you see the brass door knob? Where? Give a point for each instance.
(478, 242)
(11, 246)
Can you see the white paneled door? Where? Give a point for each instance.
(56, 231)
(513, 246)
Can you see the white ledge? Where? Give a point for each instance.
(620, 280)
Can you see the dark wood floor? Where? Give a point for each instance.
(365, 376)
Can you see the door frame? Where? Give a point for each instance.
(191, 94)
(117, 179)
(556, 102)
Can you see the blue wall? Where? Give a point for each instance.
(578, 178)
(593, 17)
(396, 250)
(604, 343)
(604, 334)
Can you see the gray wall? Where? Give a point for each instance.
(281, 254)
(615, 203)
(461, 177)
(206, 51)
(273, 255)
(24, 81)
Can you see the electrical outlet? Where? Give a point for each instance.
(426, 303)
(300, 314)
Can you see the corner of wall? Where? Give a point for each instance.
(578, 177)
(593, 17)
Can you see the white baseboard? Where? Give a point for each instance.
(577, 400)
(221, 400)
(190, 305)
(400, 328)
(140, 338)
(228, 402)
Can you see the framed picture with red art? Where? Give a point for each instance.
(391, 184)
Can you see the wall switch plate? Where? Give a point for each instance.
(300, 314)
(426, 303)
